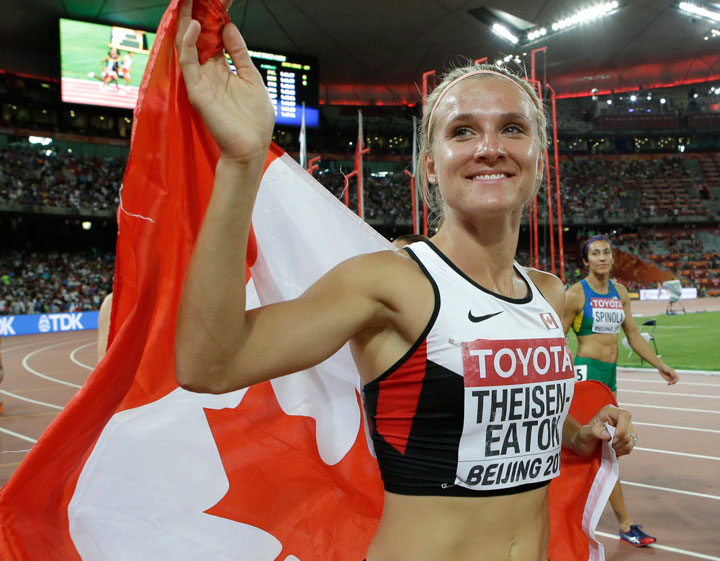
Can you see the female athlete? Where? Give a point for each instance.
(596, 308)
(460, 351)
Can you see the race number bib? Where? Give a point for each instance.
(608, 315)
(581, 371)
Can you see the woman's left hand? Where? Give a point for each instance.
(669, 374)
(589, 436)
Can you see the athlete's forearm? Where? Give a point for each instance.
(211, 315)
(644, 351)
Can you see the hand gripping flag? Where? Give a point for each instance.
(137, 468)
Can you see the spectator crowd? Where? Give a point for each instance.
(54, 282)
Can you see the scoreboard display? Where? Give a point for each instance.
(291, 80)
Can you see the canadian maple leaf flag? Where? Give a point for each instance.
(135, 467)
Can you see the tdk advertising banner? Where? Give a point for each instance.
(47, 323)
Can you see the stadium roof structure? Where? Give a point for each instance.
(375, 51)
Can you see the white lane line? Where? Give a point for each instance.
(638, 423)
(670, 408)
(8, 349)
(669, 490)
(632, 369)
(681, 382)
(18, 435)
(83, 365)
(21, 398)
(699, 456)
(39, 374)
(667, 548)
(672, 393)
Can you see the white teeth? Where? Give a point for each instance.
(488, 176)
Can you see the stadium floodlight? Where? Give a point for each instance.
(536, 33)
(502, 31)
(585, 15)
(662, 101)
(695, 10)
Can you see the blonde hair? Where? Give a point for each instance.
(426, 133)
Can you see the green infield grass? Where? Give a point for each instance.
(685, 341)
(85, 45)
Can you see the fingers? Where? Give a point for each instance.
(188, 53)
(184, 18)
(237, 49)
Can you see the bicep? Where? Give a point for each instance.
(573, 304)
(290, 336)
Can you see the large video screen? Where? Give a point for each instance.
(102, 64)
(291, 80)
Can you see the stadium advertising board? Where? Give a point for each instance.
(688, 293)
(33, 324)
(102, 64)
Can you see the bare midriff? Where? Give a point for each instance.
(430, 528)
(599, 346)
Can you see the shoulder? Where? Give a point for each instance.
(380, 273)
(551, 287)
(576, 291)
(621, 290)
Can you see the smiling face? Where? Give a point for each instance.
(600, 257)
(486, 156)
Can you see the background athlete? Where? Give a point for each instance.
(596, 308)
(483, 139)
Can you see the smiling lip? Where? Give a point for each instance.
(489, 176)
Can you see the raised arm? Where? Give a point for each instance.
(218, 346)
(638, 342)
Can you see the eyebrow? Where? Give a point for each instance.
(511, 116)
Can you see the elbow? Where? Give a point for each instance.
(199, 376)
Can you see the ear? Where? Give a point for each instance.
(430, 172)
(540, 170)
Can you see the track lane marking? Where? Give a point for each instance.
(670, 490)
(18, 435)
(681, 382)
(81, 364)
(670, 408)
(666, 548)
(44, 376)
(638, 423)
(672, 394)
(21, 398)
(686, 454)
(636, 370)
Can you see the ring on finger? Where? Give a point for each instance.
(634, 438)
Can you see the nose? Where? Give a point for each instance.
(489, 147)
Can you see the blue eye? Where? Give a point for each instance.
(462, 131)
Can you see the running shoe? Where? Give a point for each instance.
(635, 536)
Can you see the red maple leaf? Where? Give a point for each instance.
(280, 484)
